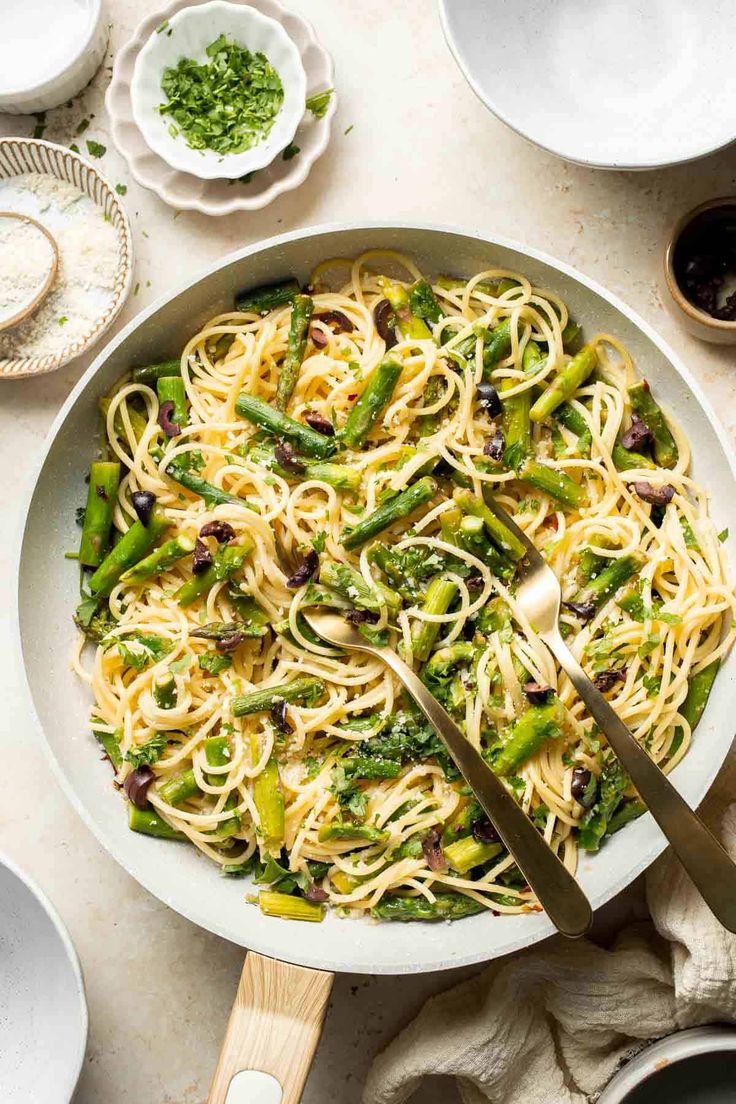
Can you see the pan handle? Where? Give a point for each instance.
(272, 1033)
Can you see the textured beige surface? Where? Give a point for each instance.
(423, 148)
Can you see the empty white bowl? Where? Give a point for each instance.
(615, 84)
(43, 1011)
(188, 34)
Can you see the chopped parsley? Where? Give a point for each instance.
(228, 104)
(121, 189)
(147, 753)
(96, 149)
(290, 152)
(319, 103)
(213, 664)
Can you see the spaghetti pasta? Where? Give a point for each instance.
(273, 753)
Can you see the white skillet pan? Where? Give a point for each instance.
(177, 874)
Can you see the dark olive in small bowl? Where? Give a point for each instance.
(700, 271)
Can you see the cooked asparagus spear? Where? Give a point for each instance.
(301, 315)
(351, 585)
(698, 691)
(394, 510)
(160, 560)
(471, 536)
(307, 690)
(164, 691)
(261, 300)
(439, 597)
(572, 419)
(410, 324)
(497, 345)
(613, 782)
(534, 728)
(423, 302)
(104, 478)
(517, 430)
(447, 906)
(289, 908)
(172, 389)
(152, 373)
(110, 741)
(643, 403)
(339, 476)
(278, 424)
(565, 384)
(228, 560)
(178, 788)
(136, 543)
(557, 484)
(467, 853)
(150, 823)
(626, 812)
(372, 400)
(597, 592)
(624, 459)
(344, 830)
(212, 495)
(502, 537)
(269, 801)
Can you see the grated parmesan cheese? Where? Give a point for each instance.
(88, 263)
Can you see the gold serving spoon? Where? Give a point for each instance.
(29, 306)
(705, 860)
(562, 898)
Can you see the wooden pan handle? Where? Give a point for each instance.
(272, 1033)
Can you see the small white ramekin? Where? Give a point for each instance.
(187, 34)
(72, 78)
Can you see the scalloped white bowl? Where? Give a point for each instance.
(221, 197)
(187, 35)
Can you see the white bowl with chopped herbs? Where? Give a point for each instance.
(218, 90)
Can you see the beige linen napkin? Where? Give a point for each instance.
(550, 1026)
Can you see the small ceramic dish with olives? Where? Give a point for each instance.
(700, 271)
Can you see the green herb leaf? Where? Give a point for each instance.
(147, 753)
(290, 152)
(228, 104)
(96, 149)
(319, 103)
(121, 189)
(213, 664)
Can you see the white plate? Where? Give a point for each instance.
(614, 84)
(48, 592)
(187, 35)
(221, 197)
(43, 1011)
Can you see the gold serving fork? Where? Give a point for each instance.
(555, 887)
(711, 869)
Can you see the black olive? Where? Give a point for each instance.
(222, 531)
(584, 787)
(638, 436)
(319, 424)
(202, 558)
(584, 610)
(170, 428)
(316, 894)
(488, 398)
(318, 338)
(278, 716)
(230, 643)
(474, 582)
(483, 831)
(143, 503)
(136, 786)
(606, 680)
(432, 849)
(336, 320)
(361, 617)
(306, 571)
(495, 446)
(536, 693)
(655, 496)
(288, 459)
(385, 319)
